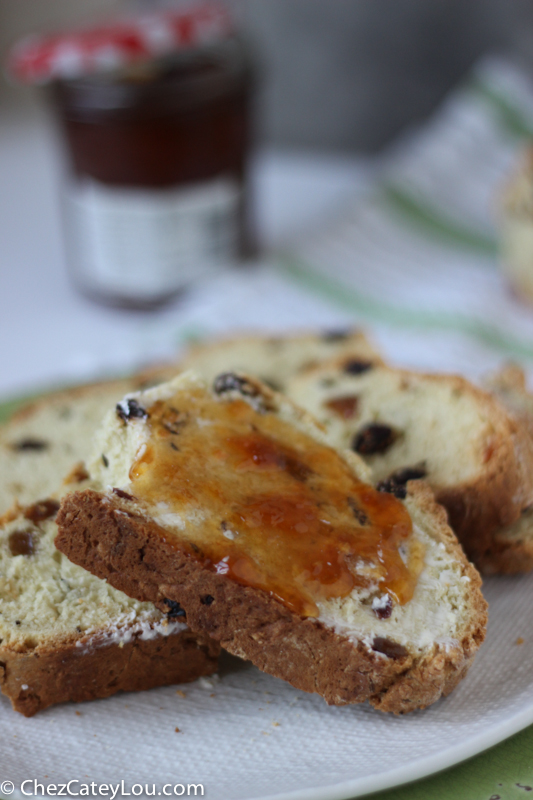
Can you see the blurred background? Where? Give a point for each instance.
(345, 75)
(381, 135)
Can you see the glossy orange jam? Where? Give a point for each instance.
(268, 506)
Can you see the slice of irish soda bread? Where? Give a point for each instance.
(475, 453)
(275, 359)
(41, 443)
(230, 504)
(44, 439)
(66, 635)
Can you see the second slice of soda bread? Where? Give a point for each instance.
(475, 451)
(276, 359)
(231, 504)
(68, 636)
(64, 634)
(46, 437)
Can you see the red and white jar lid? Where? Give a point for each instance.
(115, 44)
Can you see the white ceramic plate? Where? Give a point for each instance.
(247, 735)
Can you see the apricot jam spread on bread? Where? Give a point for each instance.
(275, 508)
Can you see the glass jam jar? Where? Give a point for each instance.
(157, 192)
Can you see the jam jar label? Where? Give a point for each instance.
(148, 242)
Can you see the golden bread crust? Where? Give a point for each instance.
(66, 671)
(131, 552)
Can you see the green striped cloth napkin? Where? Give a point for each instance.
(420, 254)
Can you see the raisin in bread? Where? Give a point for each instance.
(475, 453)
(45, 438)
(231, 504)
(274, 359)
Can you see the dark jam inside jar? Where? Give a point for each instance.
(158, 191)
